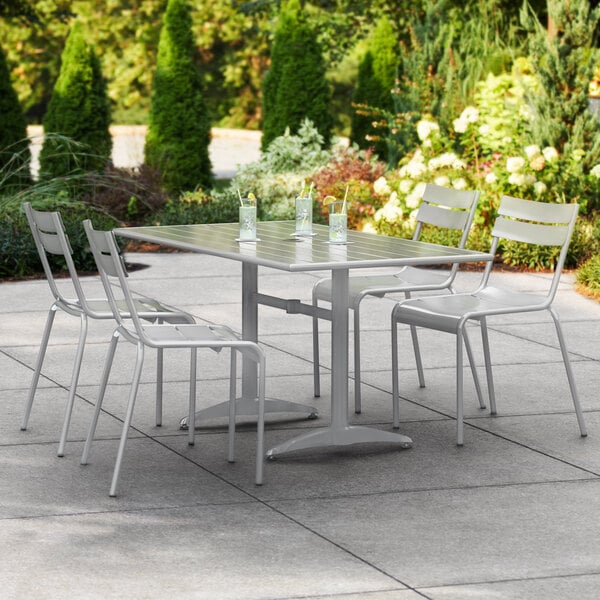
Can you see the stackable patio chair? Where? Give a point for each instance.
(441, 207)
(519, 220)
(160, 336)
(50, 238)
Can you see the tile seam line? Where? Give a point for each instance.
(509, 580)
(450, 488)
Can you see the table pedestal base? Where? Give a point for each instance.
(248, 407)
(339, 436)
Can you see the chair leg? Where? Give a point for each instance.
(570, 375)
(38, 366)
(73, 387)
(232, 407)
(127, 422)
(357, 384)
(459, 389)
(260, 424)
(417, 352)
(103, 382)
(474, 370)
(192, 403)
(159, 386)
(488, 365)
(395, 392)
(416, 349)
(316, 358)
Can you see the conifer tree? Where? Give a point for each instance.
(79, 110)
(376, 79)
(295, 88)
(15, 155)
(179, 125)
(564, 60)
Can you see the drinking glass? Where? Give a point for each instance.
(248, 219)
(338, 222)
(303, 215)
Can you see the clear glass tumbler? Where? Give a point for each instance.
(338, 222)
(248, 219)
(303, 215)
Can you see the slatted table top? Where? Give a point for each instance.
(278, 248)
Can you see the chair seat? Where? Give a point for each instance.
(148, 309)
(409, 279)
(168, 335)
(444, 313)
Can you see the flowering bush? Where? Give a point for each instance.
(362, 174)
(485, 150)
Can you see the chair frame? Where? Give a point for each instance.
(522, 221)
(160, 336)
(50, 237)
(441, 207)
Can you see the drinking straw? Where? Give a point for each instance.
(344, 207)
(310, 190)
(240, 195)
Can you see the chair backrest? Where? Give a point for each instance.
(538, 223)
(113, 273)
(447, 208)
(50, 237)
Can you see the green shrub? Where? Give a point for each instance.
(18, 254)
(295, 87)
(15, 155)
(179, 124)
(376, 79)
(198, 207)
(588, 274)
(78, 110)
(278, 176)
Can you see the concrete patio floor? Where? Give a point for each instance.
(512, 514)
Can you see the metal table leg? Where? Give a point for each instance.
(339, 432)
(247, 404)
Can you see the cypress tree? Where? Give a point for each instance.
(15, 155)
(295, 88)
(179, 125)
(79, 110)
(564, 60)
(376, 79)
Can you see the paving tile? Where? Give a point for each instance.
(37, 483)
(520, 389)
(461, 536)
(203, 552)
(47, 415)
(554, 434)
(434, 462)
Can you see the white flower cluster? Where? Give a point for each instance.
(425, 128)
(469, 115)
(381, 187)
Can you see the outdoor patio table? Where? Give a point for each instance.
(278, 248)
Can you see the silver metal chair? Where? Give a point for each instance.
(164, 335)
(440, 207)
(519, 220)
(50, 238)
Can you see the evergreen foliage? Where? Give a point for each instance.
(564, 62)
(179, 126)
(15, 155)
(78, 110)
(376, 80)
(295, 87)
